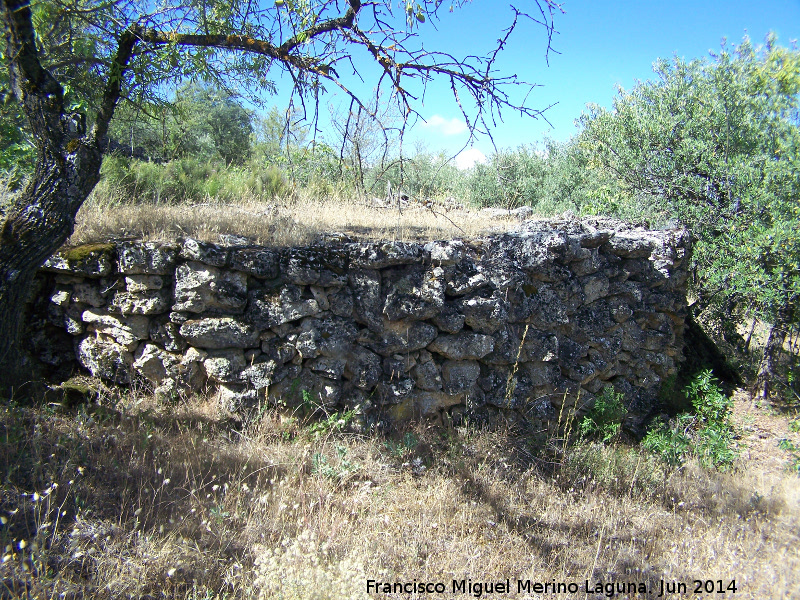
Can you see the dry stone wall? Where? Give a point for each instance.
(515, 324)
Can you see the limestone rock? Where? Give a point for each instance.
(143, 283)
(377, 255)
(362, 368)
(270, 307)
(226, 365)
(400, 336)
(463, 346)
(148, 302)
(260, 373)
(332, 368)
(426, 376)
(416, 294)
(320, 266)
(464, 278)
(460, 375)
(167, 335)
(484, 315)
(219, 332)
(105, 359)
(341, 302)
(517, 344)
(127, 331)
(91, 260)
(204, 252)
(261, 262)
(443, 253)
(449, 319)
(367, 304)
(146, 258)
(202, 288)
(237, 398)
(88, 293)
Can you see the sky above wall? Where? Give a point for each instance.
(599, 46)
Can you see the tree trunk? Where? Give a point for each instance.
(768, 369)
(39, 221)
(68, 159)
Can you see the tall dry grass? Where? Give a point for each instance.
(280, 223)
(136, 499)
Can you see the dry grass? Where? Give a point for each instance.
(177, 501)
(297, 222)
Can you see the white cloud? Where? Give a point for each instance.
(452, 126)
(468, 158)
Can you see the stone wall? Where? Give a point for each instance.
(515, 323)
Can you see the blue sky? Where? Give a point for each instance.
(600, 45)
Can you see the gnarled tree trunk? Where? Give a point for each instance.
(68, 159)
(768, 369)
(36, 225)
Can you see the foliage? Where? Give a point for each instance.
(189, 180)
(707, 434)
(670, 443)
(511, 178)
(340, 469)
(333, 423)
(716, 144)
(404, 447)
(794, 451)
(604, 419)
(710, 404)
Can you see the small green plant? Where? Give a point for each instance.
(708, 434)
(604, 419)
(709, 403)
(403, 448)
(794, 450)
(794, 426)
(340, 470)
(335, 422)
(671, 444)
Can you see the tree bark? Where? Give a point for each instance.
(38, 223)
(41, 218)
(768, 369)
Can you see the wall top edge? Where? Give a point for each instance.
(547, 240)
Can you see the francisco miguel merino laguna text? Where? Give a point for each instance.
(479, 588)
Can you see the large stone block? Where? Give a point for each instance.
(463, 346)
(275, 306)
(415, 294)
(146, 258)
(201, 288)
(219, 332)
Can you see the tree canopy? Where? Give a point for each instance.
(72, 62)
(716, 143)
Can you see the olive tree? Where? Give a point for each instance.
(715, 143)
(126, 51)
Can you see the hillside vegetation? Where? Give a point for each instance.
(117, 495)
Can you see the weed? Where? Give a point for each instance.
(671, 443)
(338, 471)
(404, 448)
(794, 451)
(708, 434)
(333, 423)
(604, 419)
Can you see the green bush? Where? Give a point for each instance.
(604, 419)
(707, 435)
(670, 443)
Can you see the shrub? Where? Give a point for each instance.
(708, 435)
(604, 419)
